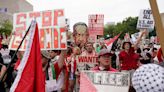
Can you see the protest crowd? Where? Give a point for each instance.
(61, 69)
(53, 58)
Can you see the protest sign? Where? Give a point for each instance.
(86, 62)
(51, 25)
(96, 25)
(135, 36)
(104, 81)
(145, 20)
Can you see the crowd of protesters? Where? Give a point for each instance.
(60, 66)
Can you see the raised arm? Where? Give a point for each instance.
(61, 59)
(139, 39)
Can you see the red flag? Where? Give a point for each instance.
(30, 77)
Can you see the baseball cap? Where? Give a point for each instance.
(104, 51)
(45, 54)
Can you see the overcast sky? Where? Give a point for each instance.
(78, 10)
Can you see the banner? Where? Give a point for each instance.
(86, 62)
(96, 25)
(145, 20)
(51, 25)
(104, 81)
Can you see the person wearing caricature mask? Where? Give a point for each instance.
(80, 34)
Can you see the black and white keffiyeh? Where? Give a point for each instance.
(149, 78)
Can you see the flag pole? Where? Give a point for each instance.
(12, 59)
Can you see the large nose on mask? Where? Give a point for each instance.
(81, 38)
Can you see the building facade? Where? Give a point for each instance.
(9, 7)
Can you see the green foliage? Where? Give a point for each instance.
(109, 30)
(6, 27)
(126, 26)
(152, 33)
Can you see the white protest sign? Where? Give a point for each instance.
(104, 81)
(86, 62)
(145, 20)
(51, 24)
(134, 37)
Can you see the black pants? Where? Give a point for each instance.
(2, 87)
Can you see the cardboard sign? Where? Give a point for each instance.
(145, 20)
(104, 81)
(51, 29)
(86, 62)
(96, 24)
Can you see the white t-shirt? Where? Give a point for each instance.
(53, 84)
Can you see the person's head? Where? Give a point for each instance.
(45, 58)
(126, 45)
(69, 51)
(54, 53)
(76, 50)
(139, 51)
(103, 46)
(89, 47)
(97, 45)
(146, 48)
(155, 50)
(80, 34)
(149, 78)
(104, 58)
(146, 59)
(150, 45)
(5, 43)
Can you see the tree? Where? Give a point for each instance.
(126, 26)
(109, 30)
(6, 27)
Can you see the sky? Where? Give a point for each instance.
(113, 10)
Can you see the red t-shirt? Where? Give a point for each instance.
(129, 60)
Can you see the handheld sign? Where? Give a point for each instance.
(51, 25)
(104, 81)
(145, 20)
(96, 26)
(86, 62)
